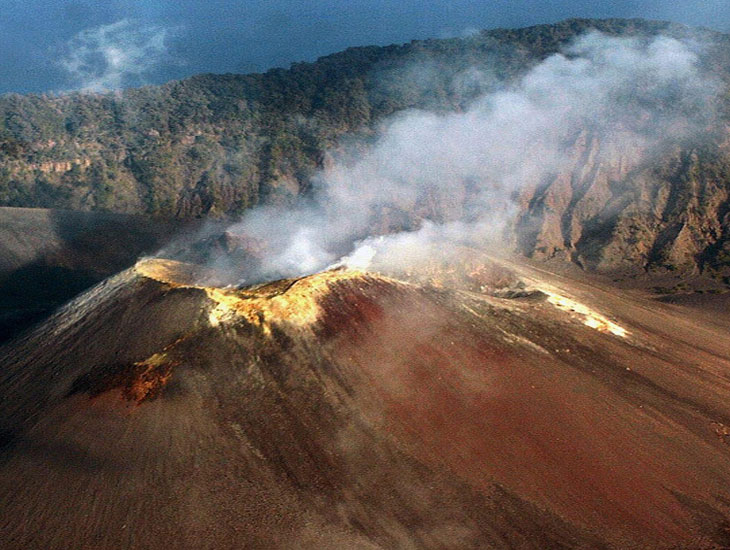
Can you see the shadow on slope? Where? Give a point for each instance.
(49, 256)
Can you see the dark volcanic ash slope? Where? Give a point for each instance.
(351, 410)
(49, 256)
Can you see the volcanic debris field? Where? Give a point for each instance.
(352, 409)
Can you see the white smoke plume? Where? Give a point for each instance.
(113, 56)
(432, 178)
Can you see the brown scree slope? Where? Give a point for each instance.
(353, 410)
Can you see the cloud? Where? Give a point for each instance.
(432, 178)
(114, 56)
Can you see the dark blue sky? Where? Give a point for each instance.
(159, 40)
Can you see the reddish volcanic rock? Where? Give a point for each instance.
(352, 410)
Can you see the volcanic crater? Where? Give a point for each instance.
(361, 410)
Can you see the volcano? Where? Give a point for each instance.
(353, 409)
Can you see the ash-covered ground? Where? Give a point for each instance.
(485, 403)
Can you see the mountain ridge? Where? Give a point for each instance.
(217, 145)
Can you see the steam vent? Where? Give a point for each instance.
(351, 409)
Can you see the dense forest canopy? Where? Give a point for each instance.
(218, 144)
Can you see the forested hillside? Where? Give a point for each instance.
(222, 143)
(216, 145)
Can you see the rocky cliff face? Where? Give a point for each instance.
(630, 209)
